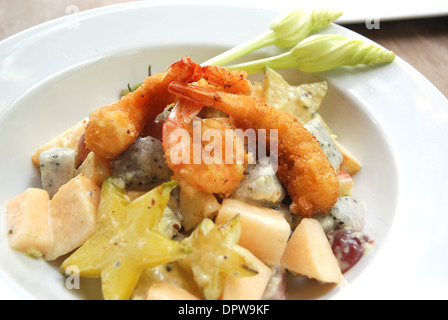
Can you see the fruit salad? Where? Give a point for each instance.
(199, 183)
(127, 221)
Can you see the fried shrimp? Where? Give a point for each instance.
(187, 157)
(303, 168)
(222, 79)
(206, 166)
(112, 129)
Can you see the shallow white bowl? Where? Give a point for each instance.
(390, 117)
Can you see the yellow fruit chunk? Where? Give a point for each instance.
(194, 210)
(215, 255)
(248, 288)
(67, 139)
(264, 231)
(166, 291)
(72, 216)
(95, 168)
(309, 253)
(349, 164)
(27, 222)
(301, 101)
(126, 241)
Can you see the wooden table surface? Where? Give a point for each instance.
(423, 43)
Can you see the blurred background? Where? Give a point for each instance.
(418, 33)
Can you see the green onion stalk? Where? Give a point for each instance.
(285, 32)
(321, 53)
(130, 89)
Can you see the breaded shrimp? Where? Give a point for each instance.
(112, 129)
(303, 168)
(192, 171)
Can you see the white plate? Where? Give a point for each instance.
(391, 117)
(355, 11)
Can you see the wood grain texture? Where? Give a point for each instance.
(18, 15)
(423, 43)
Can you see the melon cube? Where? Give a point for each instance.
(166, 291)
(27, 222)
(309, 253)
(72, 216)
(264, 231)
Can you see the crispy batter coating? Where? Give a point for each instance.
(112, 129)
(303, 167)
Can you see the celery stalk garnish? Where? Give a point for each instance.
(286, 31)
(321, 53)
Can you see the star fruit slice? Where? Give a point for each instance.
(126, 241)
(215, 254)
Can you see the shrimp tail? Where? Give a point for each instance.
(183, 113)
(224, 80)
(234, 105)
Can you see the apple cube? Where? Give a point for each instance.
(195, 209)
(349, 164)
